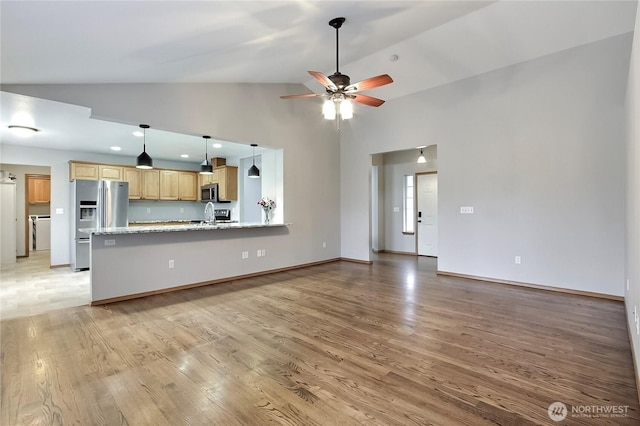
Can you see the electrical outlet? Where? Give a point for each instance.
(324, 244)
(245, 254)
(172, 264)
(518, 260)
(148, 210)
(259, 253)
(264, 252)
(109, 242)
(466, 210)
(59, 210)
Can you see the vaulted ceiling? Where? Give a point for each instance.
(421, 44)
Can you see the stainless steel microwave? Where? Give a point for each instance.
(210, 193)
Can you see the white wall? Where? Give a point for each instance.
(632, 295)
(537, 149)
(236, 112)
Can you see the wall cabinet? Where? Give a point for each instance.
(134, 177)
(178, 185)
(227, 183)
(155, 184)
(85, 171)
(107, 172)
(188, 190)
(169, 185)
(39, 191)
(150, 185)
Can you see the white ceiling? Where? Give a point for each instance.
(436, 42)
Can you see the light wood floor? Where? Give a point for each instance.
(31, 286)
(335, 344)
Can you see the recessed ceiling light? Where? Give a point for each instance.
(115, 148)
(217, 145)
(184, 155)
(138, 134)
(22, 130)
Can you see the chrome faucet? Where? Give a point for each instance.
(209, 213)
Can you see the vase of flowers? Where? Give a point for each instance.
(267, 205)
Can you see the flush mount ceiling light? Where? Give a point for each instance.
(205, 167)
(340, 93)
(254, 172)
(144, 160)
(421, 158)
(23, 131)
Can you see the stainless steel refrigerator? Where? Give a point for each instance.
(95, 204)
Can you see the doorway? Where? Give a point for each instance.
(427, 214)
(37, 209)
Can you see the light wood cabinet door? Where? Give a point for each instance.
(134, 177)
(228, 183)
(107, 172)
(169, 185)
(39, 191)
(150, 185)
(188, 186)
(83, 171)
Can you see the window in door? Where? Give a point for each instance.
(408, 221)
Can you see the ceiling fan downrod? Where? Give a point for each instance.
(337, 23)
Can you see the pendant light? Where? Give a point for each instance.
(421, 158)
(205, 167)
(254, 172)
(144, 160)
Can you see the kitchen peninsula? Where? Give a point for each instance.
(136, 261)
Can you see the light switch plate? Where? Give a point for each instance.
(466, 210)
(396, 209)
(59, 210)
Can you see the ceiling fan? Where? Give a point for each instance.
(339, 88)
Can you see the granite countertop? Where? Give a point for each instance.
(178, 228)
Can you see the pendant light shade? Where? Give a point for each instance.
(205, 167)
(254, 172)
(144, 161)
(421, 158)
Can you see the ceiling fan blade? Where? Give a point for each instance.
(369, 83)
(306, 95)
(367, 100)
(324, 80)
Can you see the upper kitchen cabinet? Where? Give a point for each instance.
(134, 177)
(150, 185)
(169, 185)
(87, 171)
(227, 183)
(188, 186)
(178, 185)
(107, 172)
(39, 190)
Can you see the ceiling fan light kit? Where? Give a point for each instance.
(340, 93)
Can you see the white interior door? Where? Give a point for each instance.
(427, 215)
